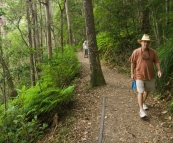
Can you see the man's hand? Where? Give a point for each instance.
(159, 73)
(132, 77)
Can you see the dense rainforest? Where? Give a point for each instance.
(38, 63)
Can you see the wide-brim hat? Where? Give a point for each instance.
(145, 37)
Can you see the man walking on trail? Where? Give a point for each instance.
(142, 61)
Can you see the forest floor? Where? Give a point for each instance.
(122, 123)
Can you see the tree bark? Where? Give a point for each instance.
(32, 71)
(68, 23)
(41, 33)
(2, 21)
(6, 72)
(35, 31)
(167, 11)
(96, 75)
(155, 27)
(12, 91)
(145, 20)
(61, 24)
(48, 21)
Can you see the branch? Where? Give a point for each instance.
(21, 33)
(44, 3)
(60, 5)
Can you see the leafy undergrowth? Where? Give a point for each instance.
(27, 116)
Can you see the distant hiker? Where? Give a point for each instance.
(85, 48)
(142, 61)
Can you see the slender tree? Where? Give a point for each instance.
(12, 91)
(167, 11)
(6, 71)
(32, 71)
(96, 75)
(41, 32)
(48, 32)
(62, 8)
(35, 30)
(144, 16)
(68, 22)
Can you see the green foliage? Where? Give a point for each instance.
(104, 40)
(116, 17)
(50, 98)
(77, 20)
(15, 124)
(60, 70)
(19, 129)
(116, 51)
(165, 53)
(2, 12)
(105, 44)
(19, 122)
(17, 55)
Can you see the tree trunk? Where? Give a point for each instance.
(48, 21)
(32, 73)
(96, 75)
(61, 23)
(167, 11)
(41, 33)
(155, 27)
(12, 91)
(2, 21)
(68, 23)
(145, 25)
(125, 20)
(36, 44)
(6, 72)
(61, 31)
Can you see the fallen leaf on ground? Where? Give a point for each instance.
(164, 112)
(162, 123)
(170, 118)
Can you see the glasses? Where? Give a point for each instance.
(145, 55)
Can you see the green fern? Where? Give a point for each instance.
(53, 91)
(165, 53)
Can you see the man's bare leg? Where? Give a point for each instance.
(140, 102)
(145, 95)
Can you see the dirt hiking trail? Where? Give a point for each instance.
(122, 123)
